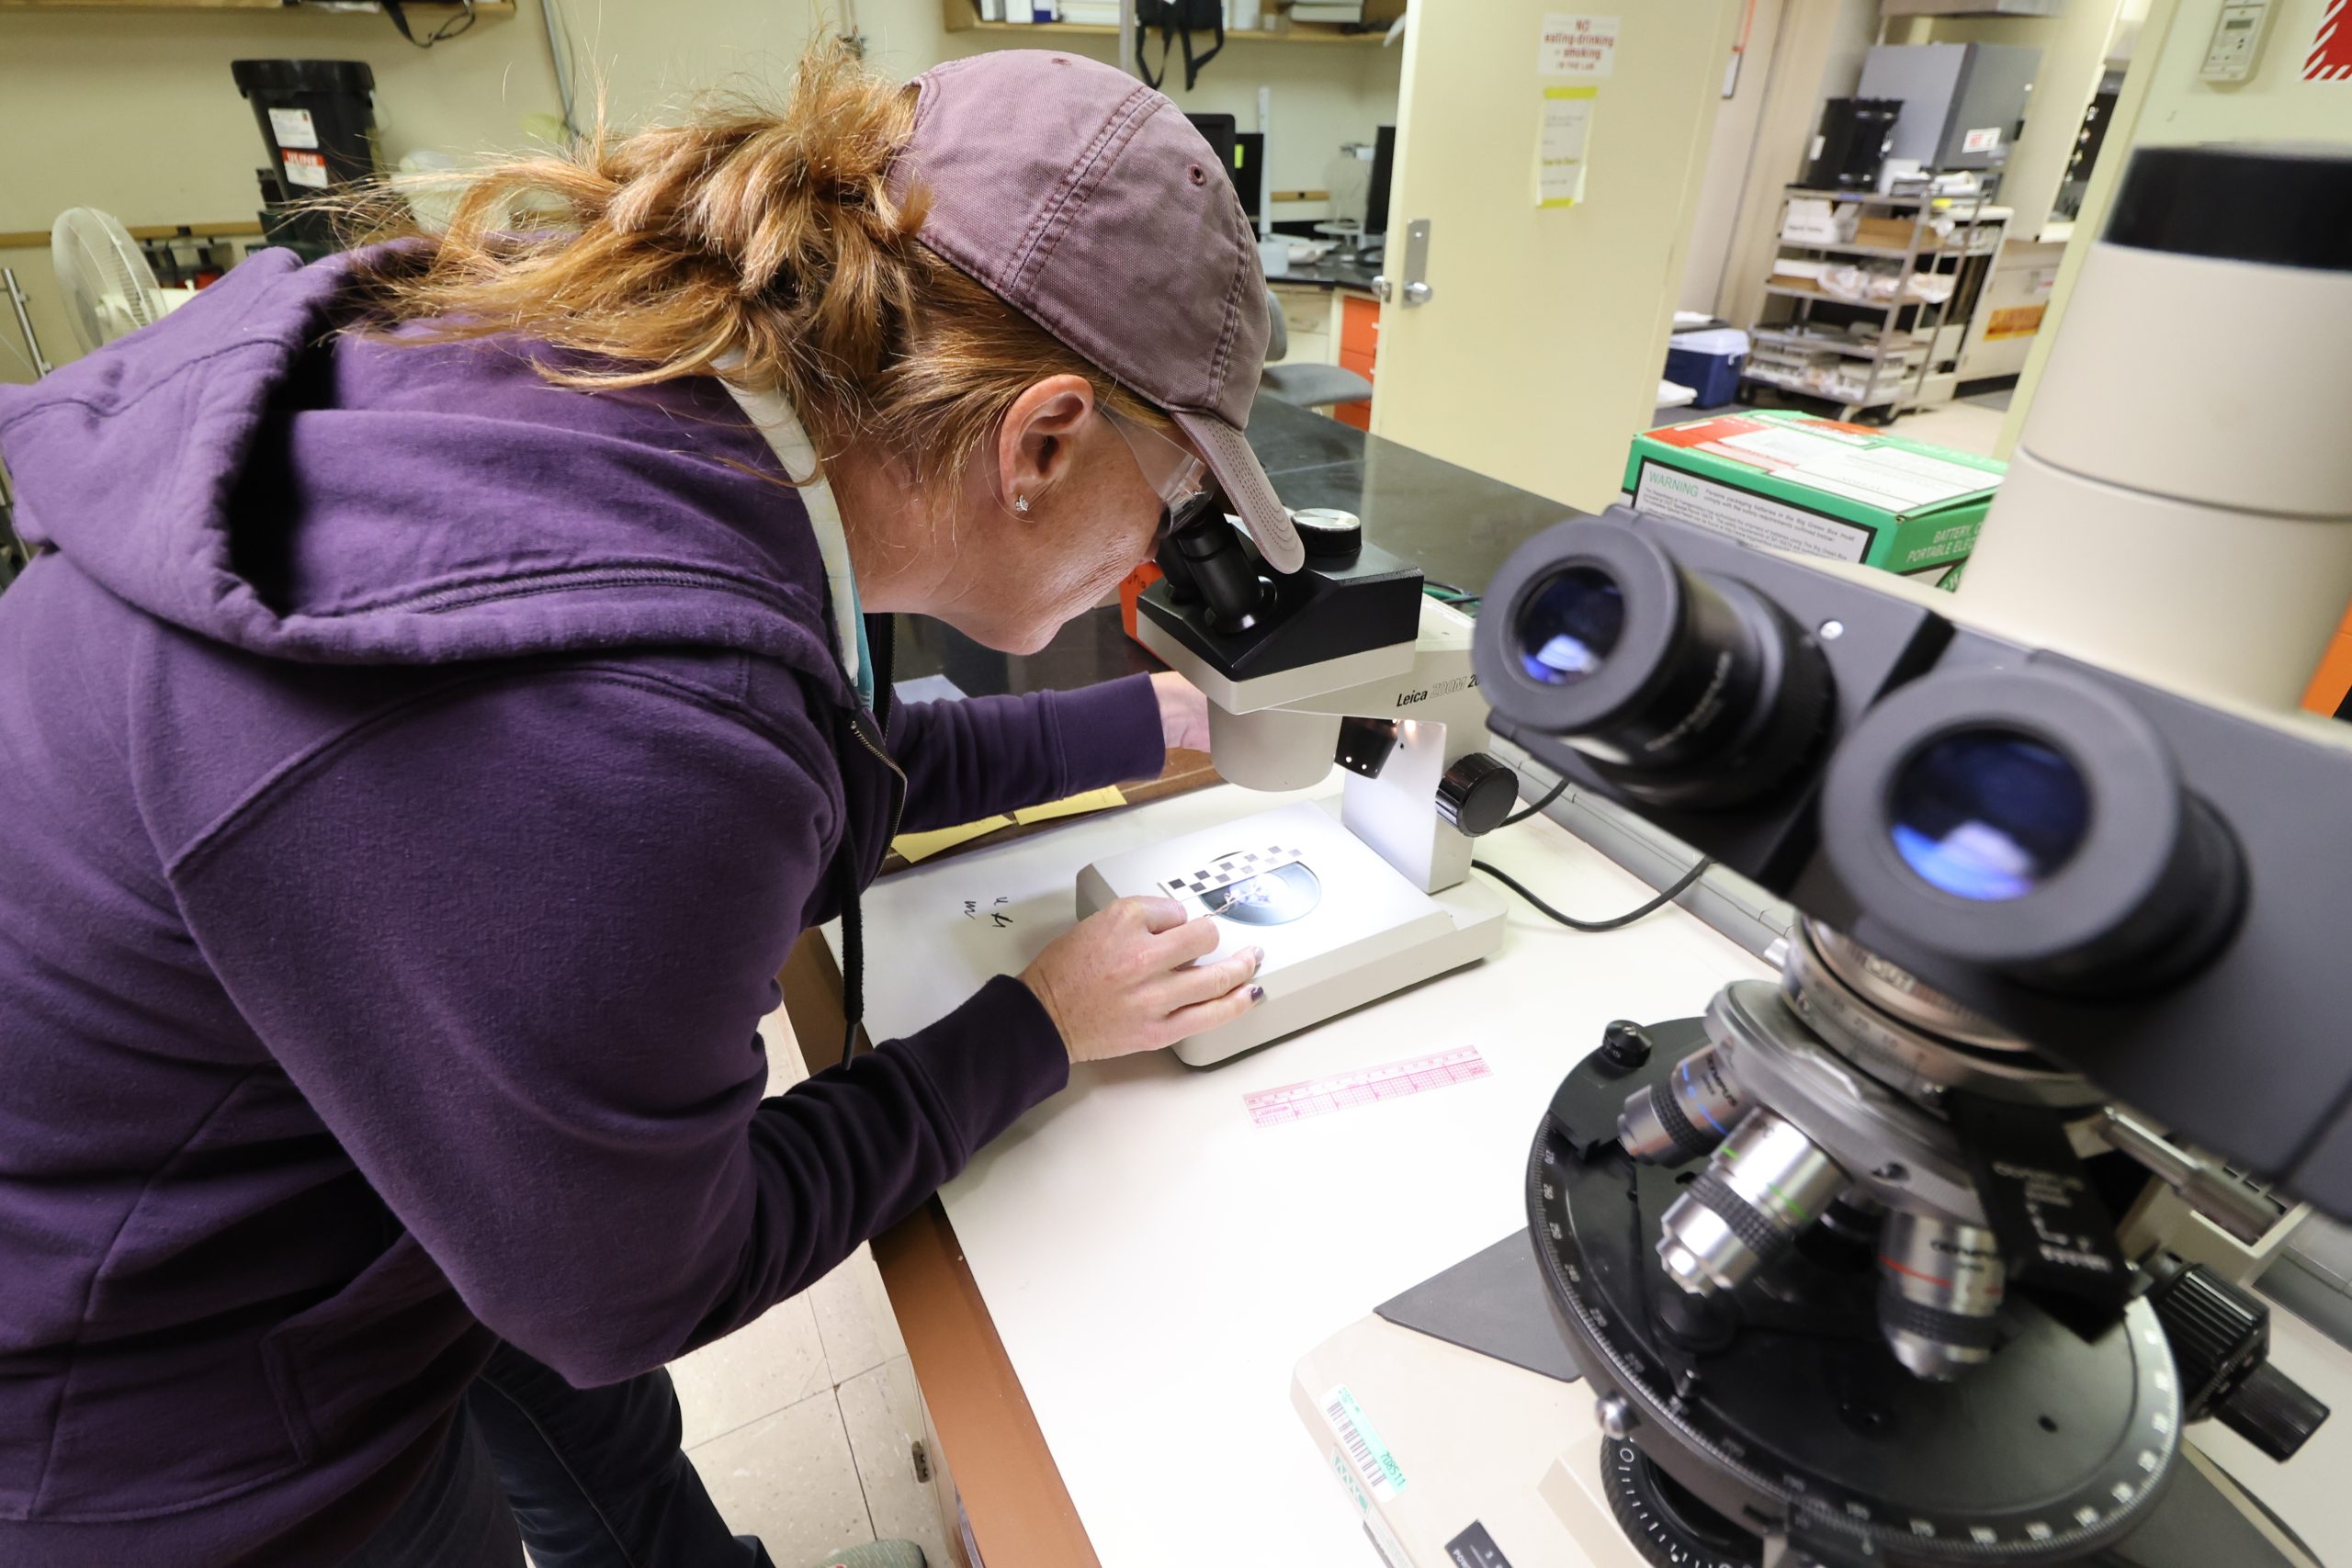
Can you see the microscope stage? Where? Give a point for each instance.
(1341, 926)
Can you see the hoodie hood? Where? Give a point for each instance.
(246, 472)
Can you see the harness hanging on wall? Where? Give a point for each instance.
(1178, 19)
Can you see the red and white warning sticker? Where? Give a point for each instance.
(305, 168)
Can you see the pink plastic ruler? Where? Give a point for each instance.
(1344, 1091)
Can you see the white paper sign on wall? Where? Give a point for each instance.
(1577, 46)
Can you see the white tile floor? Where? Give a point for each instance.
(1962, 425)
(803, 1425)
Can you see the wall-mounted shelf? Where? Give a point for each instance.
(1816, 343)
(957, 16)
(435, 7)
(243, 227)
(1866, 197)
(1823, 296)
(1790, 383)
(1892, 252)
(1906, 325)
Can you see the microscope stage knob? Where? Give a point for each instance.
(2219, 1336)
(2272, 1411)
(1477, 793)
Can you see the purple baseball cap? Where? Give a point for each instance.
(1085, 200)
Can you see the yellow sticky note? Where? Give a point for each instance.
(1074, 806)
(913, 847)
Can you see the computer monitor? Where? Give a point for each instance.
(1217, 130)
(1249, 166)
(1384, 165)
(1239, 153)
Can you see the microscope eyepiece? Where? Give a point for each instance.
(1987, 815)
(2032, 822)
(1203, 558)
(1569, 626)
(1683, 689)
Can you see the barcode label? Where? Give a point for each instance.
(1366, 1086)
(1381, 1472)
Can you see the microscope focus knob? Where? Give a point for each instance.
(1477, 793)
(1325, 533)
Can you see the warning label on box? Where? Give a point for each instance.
(305, 168)
(1749, 518)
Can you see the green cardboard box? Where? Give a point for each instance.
(1813, 486)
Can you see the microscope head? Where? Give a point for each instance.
(2068, 799)
(1256, 641)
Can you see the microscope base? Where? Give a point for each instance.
(1513, 1461)
(1341, 926)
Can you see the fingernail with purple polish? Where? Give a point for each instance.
(1257, 994)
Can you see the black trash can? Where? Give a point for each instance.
(317, 116)
(318, 119)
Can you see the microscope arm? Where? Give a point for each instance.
(1396, 807)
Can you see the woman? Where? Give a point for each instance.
(434, 714)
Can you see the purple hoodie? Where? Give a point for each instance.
(414, 775)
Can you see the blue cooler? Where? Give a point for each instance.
(1708, 362)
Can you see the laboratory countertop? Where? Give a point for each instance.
(1333, 271)
(1152, 1261)
(1454, 525)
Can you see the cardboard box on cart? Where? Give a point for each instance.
(1798, 482)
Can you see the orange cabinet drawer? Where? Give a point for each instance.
(1359, 326)
(2330, 686)
(1360, 364)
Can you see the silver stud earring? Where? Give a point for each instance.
(1020, 504)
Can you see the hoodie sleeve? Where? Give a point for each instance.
(513, 945)
(974, 757)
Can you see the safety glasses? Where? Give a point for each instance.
(1174, 474)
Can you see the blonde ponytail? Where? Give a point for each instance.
(767, 245)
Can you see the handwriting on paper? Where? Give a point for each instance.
(996, 914)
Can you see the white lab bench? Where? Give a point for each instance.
(1152, 1264)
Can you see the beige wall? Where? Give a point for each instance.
(135, 112)
(1323, 96)
(1817, 56)
(1729, 157)
(2274, 104)
(2073, 56)
(2165, 104)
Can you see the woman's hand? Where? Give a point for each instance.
(1183, 712)
(1123, 979)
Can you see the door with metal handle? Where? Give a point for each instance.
(1416, 290)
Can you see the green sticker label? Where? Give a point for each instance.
(1362, 1444)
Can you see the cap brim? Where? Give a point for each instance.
(1244, 480)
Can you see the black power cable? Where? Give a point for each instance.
(1681, 885)
(1525, 812)
(459, 22)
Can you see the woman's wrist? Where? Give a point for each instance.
(1183, 712)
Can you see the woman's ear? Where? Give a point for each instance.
(1034, 450)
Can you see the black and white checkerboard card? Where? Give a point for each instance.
(1226, 870)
